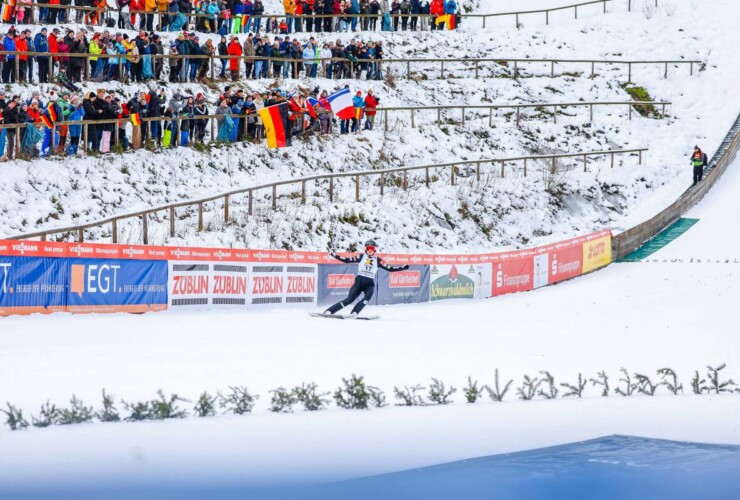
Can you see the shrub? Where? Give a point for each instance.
(205, 406)
(309, 398)
(48, 415)
(529, 388)
(282, 401)
(14, 418)
(164, 408)
(715, 384)
(629, 386)
(575, 389)
(356, 395)
(697, 384)
(670, 380)
(439, 394)
(238, 401)
(552, 391)
(645, 385)
(472, 392)
(496, 393)
(602, 380)
(109, 413)
(409, 396)
(138, 411)
(77, 413)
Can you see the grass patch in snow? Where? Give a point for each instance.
(641, 94)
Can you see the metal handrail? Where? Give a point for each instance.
(113, 220)
(122, 58)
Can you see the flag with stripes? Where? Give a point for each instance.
(272, 119)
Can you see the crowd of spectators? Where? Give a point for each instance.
(105, 56)
(166, 122)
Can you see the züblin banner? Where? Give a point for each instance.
(45, 277)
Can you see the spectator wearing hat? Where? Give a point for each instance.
(371, 104)
(11, 116)
(359, 104)
(248, 50)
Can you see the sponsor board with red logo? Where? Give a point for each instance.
(403, 287)
(277, 283)
(513, 274)
(565, 263)
(206, 284)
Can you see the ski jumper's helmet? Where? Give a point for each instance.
(371, 245)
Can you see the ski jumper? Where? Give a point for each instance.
(367, 269)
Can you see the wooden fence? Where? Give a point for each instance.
(467, 64)
(332, 178)
(628, 241)
(384, 112)
(100, 13)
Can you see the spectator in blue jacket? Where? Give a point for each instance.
(359, 104)
(9, 66)
(450, 7)
(415, 10)
(41, 43)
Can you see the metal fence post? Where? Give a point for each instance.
(412, 119)
(382, 183)
(172, 222)
(385, 119)
(80, 235)
(250, 202)
(452, 175)
(502, 168)
(114, 231)
(525, 167)
(585, 164)
(274, 196)
(331, 189)
(226, 208)
(303, 192)
(357, 188)
(144, 229)
(200, 216)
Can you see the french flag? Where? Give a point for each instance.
(341, 104)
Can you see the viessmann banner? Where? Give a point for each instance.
(49, 277)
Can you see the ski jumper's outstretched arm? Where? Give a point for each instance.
(391, 269)
(346, 260)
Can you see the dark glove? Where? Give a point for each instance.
(404, 267)
(333, 252)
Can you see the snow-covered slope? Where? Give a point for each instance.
(45, 194)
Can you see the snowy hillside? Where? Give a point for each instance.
(503, 212)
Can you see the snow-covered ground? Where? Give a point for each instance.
(640, 316)
(541, 208)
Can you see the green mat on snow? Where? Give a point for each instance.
(662, 239)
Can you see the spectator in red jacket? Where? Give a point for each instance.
(234, 49)
(371, 102)
(436, 8)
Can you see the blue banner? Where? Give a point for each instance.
(335, 280)
(32, 284)
(403, 287)
(105, 285)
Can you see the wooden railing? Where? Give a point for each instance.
(382, 175)
(630, 240)
(103, 12)
(444, 63)
(383, 112)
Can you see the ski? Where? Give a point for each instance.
(344, 316)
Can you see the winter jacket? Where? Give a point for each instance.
(450, 7)
(371, 102)
(234, 49)
(437, 7)
(9, 46)
(358, 102)
(41, 43)
(289, 6)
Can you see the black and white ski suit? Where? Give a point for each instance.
(367, 269)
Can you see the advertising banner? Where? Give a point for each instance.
(483, 280)
(403, 287)
(201, 285)
(273, 283)
(335, 280)
(116, 285)
(597, 252)
(513, 273)
(565, 263)
(541, 269)
(451, 282)
(32, 284)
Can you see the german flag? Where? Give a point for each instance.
(48, 122)
(448, 19)
(136, 119)
(272, 119)
(52, 110)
